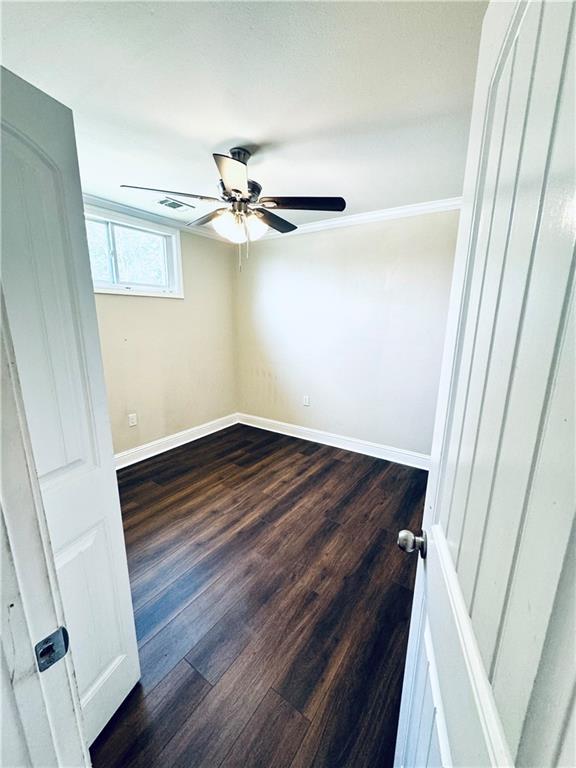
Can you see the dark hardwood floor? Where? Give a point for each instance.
(271, 602)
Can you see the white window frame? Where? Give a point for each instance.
(175, 288)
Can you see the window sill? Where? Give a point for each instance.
(133, 292)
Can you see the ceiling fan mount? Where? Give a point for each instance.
(241, 154)
(247, 215)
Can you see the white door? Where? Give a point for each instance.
(41, 716)
(51, 311)
(490, 677)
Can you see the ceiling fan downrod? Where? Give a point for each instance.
(241, 154)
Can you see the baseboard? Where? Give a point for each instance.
(146, 451)
(379, 451)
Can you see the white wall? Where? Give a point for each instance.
(171, 361)
(355, 319)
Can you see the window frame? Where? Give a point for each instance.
(175, 289)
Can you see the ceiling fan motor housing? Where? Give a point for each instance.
(254, 190)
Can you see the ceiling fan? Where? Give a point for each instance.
(247, 216)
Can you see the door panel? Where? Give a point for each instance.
(501, 499)
(425, 737)
(477, 442)
(549, 509)
(43, 709)
(523, 336)
(50, 305)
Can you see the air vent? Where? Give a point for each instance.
(170, 203)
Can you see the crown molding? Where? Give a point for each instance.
(355, 219)
(155, 218)
(370, 217)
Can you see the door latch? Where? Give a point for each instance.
(52, 648)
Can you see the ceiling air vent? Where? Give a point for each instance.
(170, 203)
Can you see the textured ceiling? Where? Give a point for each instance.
(368, 100)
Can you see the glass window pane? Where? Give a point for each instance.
(98, 249)
(141, 257)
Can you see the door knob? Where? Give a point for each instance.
(409, 543)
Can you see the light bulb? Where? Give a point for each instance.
(230, 225)
(256, 227)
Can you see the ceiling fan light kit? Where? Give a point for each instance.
(247, 216)
(239, 227)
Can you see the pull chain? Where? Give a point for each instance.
(240, 246)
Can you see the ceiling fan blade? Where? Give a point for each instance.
(205, 219)
(171, 192)
(233, 173)
(277, 223)
(304, 203)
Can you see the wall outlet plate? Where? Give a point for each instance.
(306, 400)
(132, 419)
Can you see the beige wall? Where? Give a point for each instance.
(354, 318)
(171, 360)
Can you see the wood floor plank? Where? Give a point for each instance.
(271, 605)
(205, 518)
(217, 526)
(355, 724)
(207, 738)
(220, 647)
(271, 736)
(162, 608)
(159, 654)
(314, 668)
(144, 724)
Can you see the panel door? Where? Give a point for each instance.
(490, 678)
(50, 305)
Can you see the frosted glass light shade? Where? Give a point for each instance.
(256, 227)
(233, 226)
(230, 226)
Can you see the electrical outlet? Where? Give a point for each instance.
(132, 419)
(306, 400)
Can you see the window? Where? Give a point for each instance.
(132, 257)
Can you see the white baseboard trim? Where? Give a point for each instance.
(379, 451)
(146, 451)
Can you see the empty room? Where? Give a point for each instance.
(288, 384)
